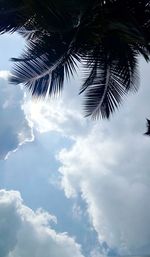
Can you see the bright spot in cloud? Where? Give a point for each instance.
(4, 74)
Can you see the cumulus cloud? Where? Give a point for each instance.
(62, 114)
(25, 233)
(15, 128)
(113, 178)
(109, 167)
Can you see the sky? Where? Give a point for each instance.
(71, 186)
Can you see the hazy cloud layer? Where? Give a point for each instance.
(25, 233)
(15, 128)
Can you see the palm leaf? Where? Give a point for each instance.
(148, 128)
(104, 95)
(13, 15)
(107, 35)
(41, 76)
(29, 34)
(107, 84)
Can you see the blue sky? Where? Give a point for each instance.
(70, 185)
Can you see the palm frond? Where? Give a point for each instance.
(103, 96)
(148, 128)
(43, 77)
(108, 36)
(29, 34)
(89, 78)
(107, 85)
(13, 15)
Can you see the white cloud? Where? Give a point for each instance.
(4, 74)
(62, 114)
(15, 128)
(109, 167)
(77, 211)
(116, 186)
(25, 233)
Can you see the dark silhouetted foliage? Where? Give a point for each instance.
(106, 37)
(148, 128)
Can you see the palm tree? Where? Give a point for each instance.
(148, 128)
(105, 36)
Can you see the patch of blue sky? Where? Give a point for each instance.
(32, 170)
(10, 46)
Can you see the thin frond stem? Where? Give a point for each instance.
(105, 90)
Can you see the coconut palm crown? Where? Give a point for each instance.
(105, 36)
